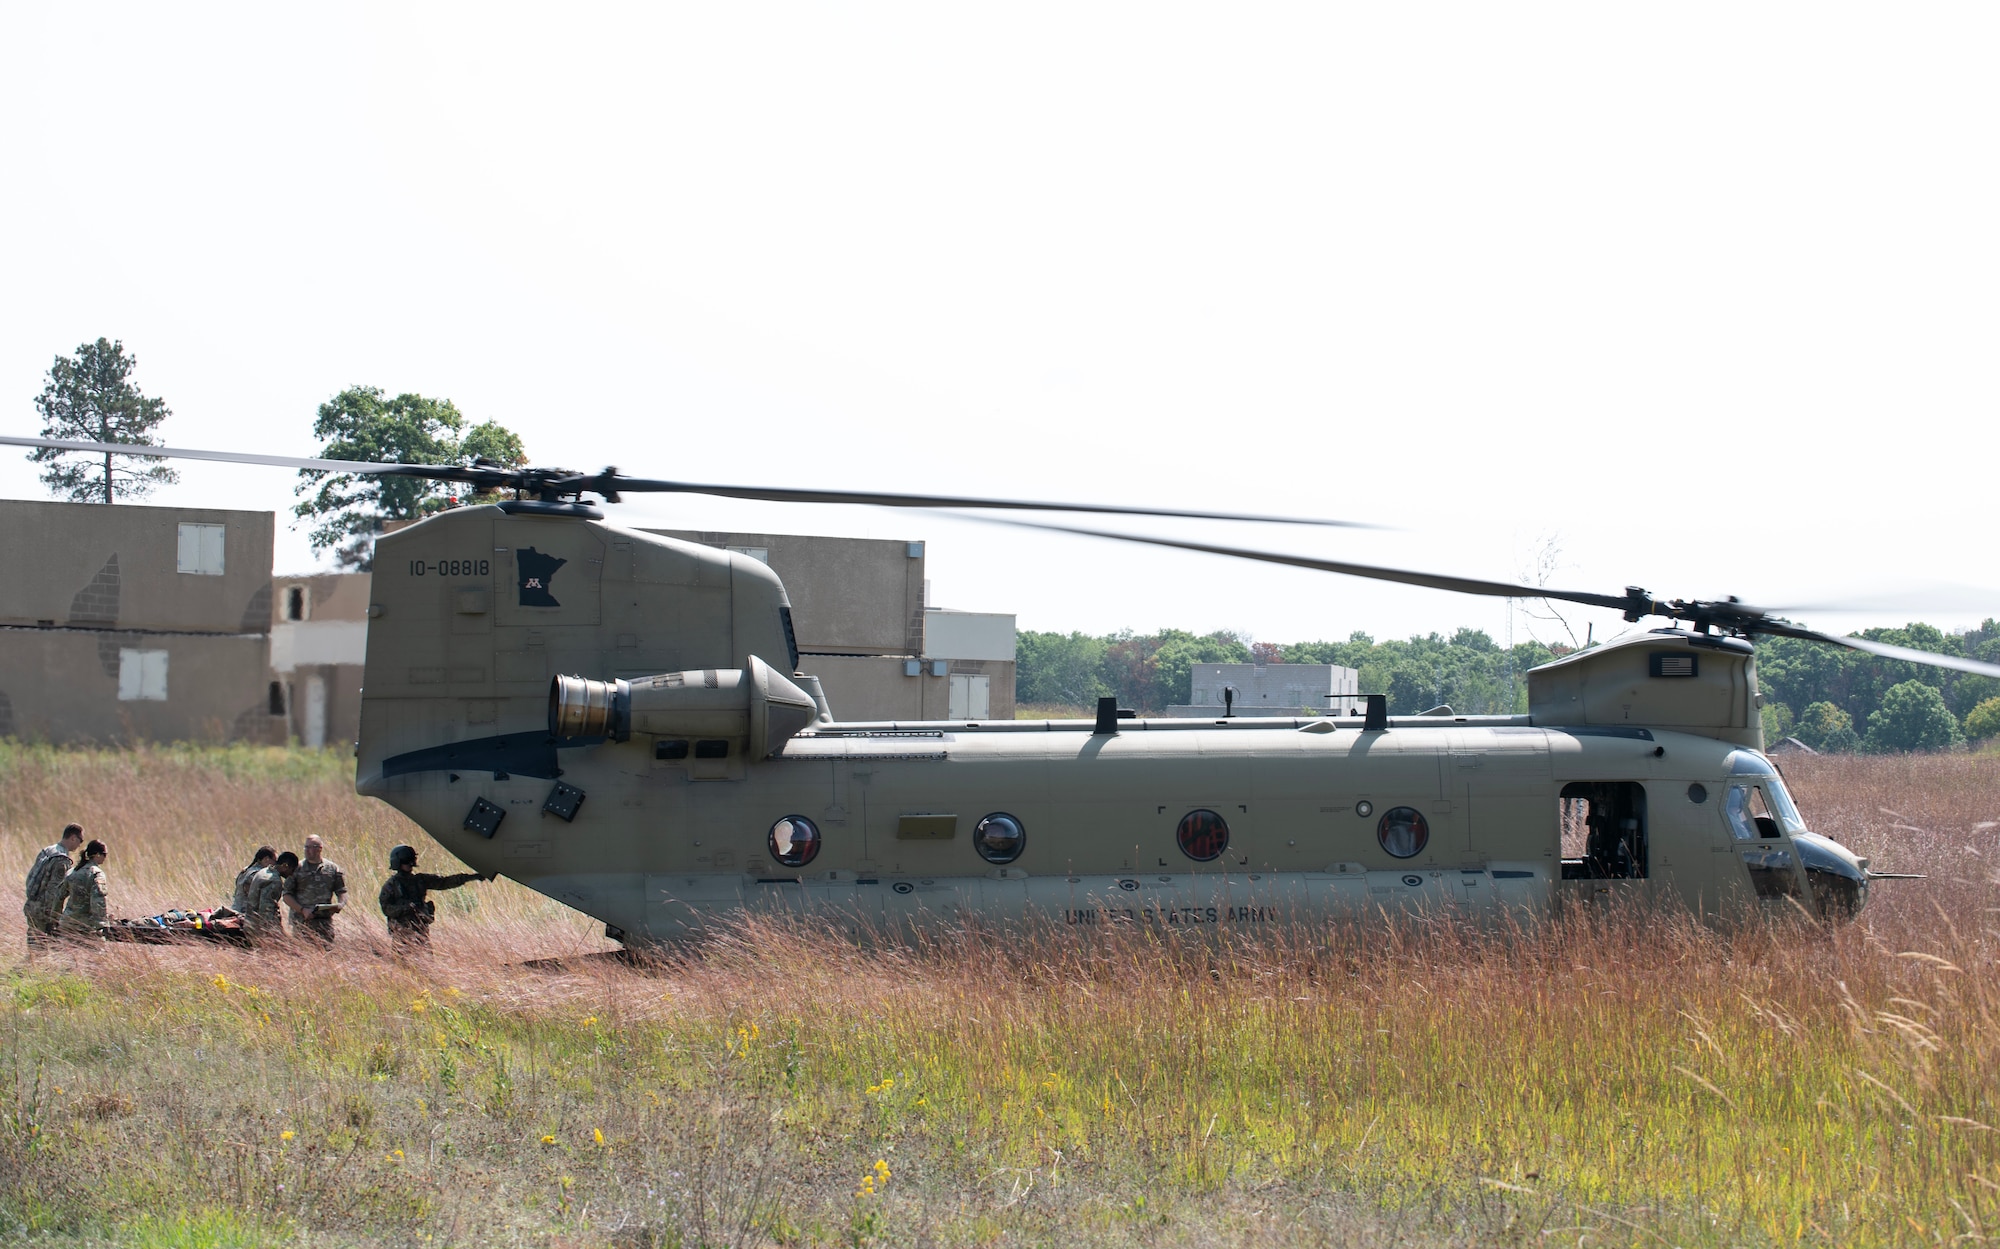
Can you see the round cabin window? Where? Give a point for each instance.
(1697, 792)
(794, 841)
(999, 838)
(1403, 832)
(1203, 835)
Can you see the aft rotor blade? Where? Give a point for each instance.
(781, 494)
(1434, 581)
(1885, 650)
(438, 471)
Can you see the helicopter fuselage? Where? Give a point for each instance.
(1630, 777)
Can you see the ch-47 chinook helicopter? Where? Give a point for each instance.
(618, 720)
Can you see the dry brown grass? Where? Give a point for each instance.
(1623, 1080)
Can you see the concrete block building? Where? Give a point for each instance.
(319, 643)
(1270, 690)
(126, 623)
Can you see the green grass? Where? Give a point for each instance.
(1625, 1079)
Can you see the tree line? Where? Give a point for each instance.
(1149, 672)
(1841, 700)
(1829, 698)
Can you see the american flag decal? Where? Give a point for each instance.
(1673, 665)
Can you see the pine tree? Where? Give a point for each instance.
(92, 399)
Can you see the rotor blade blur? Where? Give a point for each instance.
(1884, 649)
(233, 457)
(1434, 581)
(774, 494)
(1939, 597)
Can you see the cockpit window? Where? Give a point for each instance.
(1761, 810)
(1781, 805)
(1737, 806)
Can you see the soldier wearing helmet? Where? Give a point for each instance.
(406, 902)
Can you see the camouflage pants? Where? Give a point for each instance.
(319, 928)
(42, 937)
(410, 938)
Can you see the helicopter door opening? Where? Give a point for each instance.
(1603, 830)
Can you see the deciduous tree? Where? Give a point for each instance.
(1828, 729)
(1983, 721)
(363, 423)
(1913, 716)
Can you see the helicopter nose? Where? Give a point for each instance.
(1838, 877)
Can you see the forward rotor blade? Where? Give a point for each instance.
(439, 471)
(610, 483)
(1884, 649)
(780, 494)
(1434, 581)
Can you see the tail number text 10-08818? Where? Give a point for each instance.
(450, 568)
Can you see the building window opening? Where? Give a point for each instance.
(142, 676)
(295, 603)
(199, 550)
(277, 698)
(1603, 830)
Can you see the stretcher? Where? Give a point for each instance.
(214, 924)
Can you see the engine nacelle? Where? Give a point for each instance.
(755, 705)
(1688, 682)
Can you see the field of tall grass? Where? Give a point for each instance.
(1622, 1079)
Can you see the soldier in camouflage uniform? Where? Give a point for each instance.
(261, 894)
(42, 897)
(239, 901)
(315, 891)
(405, 899)
(86, 894)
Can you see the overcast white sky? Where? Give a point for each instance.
(1707, 290)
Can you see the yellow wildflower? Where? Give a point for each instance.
(221, 982)
(597, 1134)
(287, 1134)
(548, 1140)
(590, 1022)
(419, 1006)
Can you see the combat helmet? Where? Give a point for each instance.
(401, 857)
